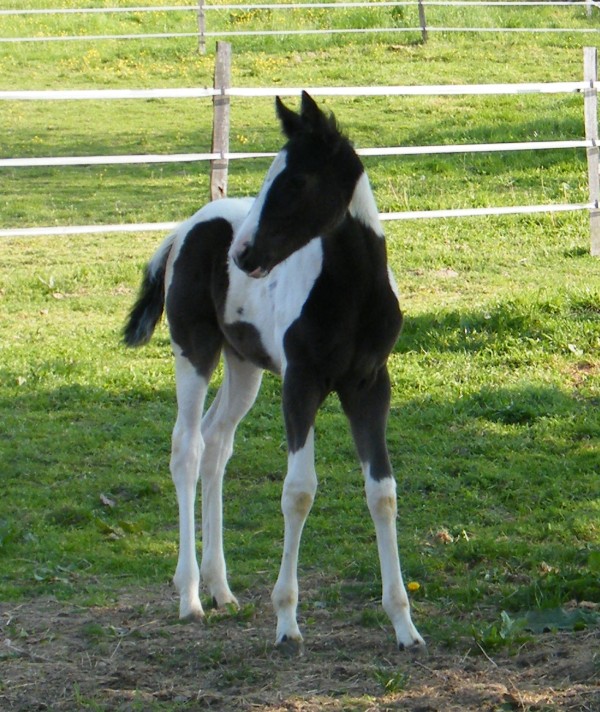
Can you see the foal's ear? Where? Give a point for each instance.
(316, 121)
(309, 111)
(290, 121)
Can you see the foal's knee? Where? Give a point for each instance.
(381, 498)
(298, 497)
(297, 503)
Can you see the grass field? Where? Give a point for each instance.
(495, 426)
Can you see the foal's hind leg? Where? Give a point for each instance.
(235, 397)
(367, 408)
(186, 451)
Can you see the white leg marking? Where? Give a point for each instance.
(234, 399)
(299, 491)
(381, 499)
(186, 450)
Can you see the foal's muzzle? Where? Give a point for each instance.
(246, 261)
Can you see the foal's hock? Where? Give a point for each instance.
(296, 282)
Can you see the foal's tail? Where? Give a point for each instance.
(150, 303)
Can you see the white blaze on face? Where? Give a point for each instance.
(247, 230)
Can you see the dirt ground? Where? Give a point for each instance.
(135, 655)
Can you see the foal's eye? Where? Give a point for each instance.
(297, 183)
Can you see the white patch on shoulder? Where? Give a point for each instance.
(273, 303)
(363, 206)
(393, 284)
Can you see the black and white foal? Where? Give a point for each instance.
(296, 282)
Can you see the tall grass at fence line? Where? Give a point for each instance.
(255, 20)
(512, 17)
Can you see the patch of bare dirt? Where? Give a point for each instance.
(135, 655)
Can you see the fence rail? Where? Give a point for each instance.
(391, 216)
(220, 154)
(47, 161)
(255, 92)
(291, 33)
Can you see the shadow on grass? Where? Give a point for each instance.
(518, 325)
(86, 480)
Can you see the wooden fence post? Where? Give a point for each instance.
(220, 138)
(590, 71)
(422, 21)
(201, 28)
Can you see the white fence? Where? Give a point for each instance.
(220, 155)
(201, 8)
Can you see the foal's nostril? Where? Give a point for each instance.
(247, 260)
(240, 257)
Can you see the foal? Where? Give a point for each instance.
(296, 282)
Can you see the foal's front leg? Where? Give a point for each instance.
(300, 403)
(367, 407)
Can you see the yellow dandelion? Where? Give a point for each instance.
(413, 586)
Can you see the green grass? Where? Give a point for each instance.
(494, 429)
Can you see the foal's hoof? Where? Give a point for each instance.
(290, 647)
(193, 616)
(226, 603)
(417, 647)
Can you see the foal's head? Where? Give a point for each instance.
(306, 192)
